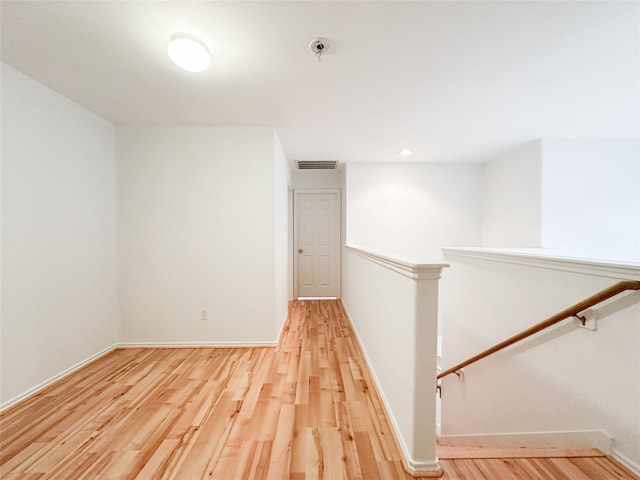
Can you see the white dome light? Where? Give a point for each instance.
(406, 152)
(189, 52)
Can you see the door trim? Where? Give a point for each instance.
(338, 193)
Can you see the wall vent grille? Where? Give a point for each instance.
(317, 164)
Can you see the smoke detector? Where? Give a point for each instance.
(319, 47)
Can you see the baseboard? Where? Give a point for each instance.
(422, 469)
(599, 439)
(50, 381)
(626, 461)
(282, 329)
(195, 344)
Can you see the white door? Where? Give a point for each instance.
(317, 243)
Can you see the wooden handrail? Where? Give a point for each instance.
(605, 294)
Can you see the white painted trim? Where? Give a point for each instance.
(318, 190)
(599, 439)
(424, 469)
(626, 461)
(317, 298)
(281, 332)
(414, 467)
(541, 258)
(195, 344)
(409, 267)
(50, 381)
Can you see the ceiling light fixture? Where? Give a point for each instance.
(189, 52)
(406, 152)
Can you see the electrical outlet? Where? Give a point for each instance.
(203, 315)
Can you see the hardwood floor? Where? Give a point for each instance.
(305, 410)
(463, 463)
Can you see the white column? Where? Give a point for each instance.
(425, 343)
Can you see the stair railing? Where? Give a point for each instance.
(573, 311)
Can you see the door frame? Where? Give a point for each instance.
(329, 191)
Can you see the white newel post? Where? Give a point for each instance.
(393, 303)
(427, 279)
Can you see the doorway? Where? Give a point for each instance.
(316, 243)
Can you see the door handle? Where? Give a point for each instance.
(300, 250)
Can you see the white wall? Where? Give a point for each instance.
(58, 234)
(591, 198)
(565, 380)
(413, 209)
(283, 276)
(197, 231)
(512, 200)
(318, 179)
(572, 197)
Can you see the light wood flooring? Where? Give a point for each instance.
(463, 463)
(305, 410)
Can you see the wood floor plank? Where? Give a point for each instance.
(613, 469)
(569, 468)
(368, 461)
(314, 464)
(303, 410)
(349, 446)
(539, 468)
(280, 460)
(543, 468)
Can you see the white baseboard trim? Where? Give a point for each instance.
(32, 391)
(281, 332)
(430, 469)
(426, 468)
(626, 461)
(195, 344)
(599, 439)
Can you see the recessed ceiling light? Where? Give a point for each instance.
(189, 52)
(406, 152)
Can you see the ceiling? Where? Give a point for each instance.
(454, 81)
